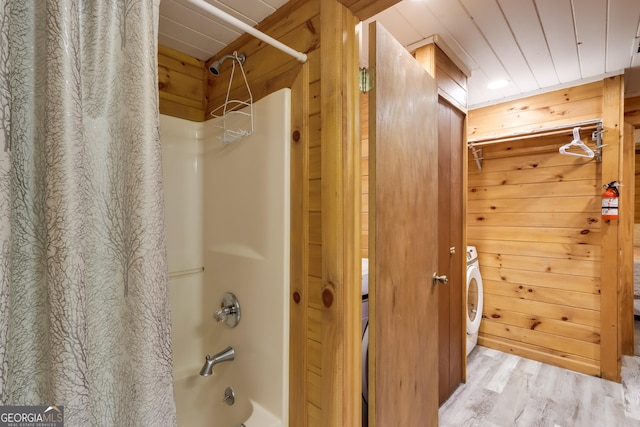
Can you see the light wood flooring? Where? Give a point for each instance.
(506, 390)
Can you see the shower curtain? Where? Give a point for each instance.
(84, 311)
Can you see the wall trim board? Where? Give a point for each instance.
(341, 216)
(612, 115)
(542, 355)
(299, 242)
(626, 238)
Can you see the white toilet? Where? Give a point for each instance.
(474, 298)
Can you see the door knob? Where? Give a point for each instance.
(442, 279)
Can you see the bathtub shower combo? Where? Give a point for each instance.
(227, 224)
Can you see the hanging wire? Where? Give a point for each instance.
(236, 116)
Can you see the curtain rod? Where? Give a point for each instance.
(248, 29)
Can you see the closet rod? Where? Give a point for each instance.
(202, 4)
(553, 130)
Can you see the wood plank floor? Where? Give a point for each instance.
(506, 390)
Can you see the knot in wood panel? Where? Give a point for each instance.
(327, 297)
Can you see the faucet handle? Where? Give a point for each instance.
(229, 311)
(222, 314)
(229, 396)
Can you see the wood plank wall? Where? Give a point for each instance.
(181, 85)
(364, 133)
(325, 325)
(534, 216)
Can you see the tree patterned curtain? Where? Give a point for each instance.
(84, 310)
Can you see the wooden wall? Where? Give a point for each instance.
(364, 133)
(534, 216)
(549, 264)
(325, 352)
(181, 85)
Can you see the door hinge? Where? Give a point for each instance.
(366, 79)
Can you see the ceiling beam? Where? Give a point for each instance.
(365, 9)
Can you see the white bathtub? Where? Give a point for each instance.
(196, 408)
(228, 209)
(260, 417)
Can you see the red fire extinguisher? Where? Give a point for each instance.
(610, 201)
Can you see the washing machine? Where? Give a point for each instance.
(474, 298)
(365, 341)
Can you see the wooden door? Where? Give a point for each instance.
(403, 215)
(451, 249)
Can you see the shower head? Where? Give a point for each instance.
(215, 67)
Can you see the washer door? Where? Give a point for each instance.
(474, 299)
(365, 363)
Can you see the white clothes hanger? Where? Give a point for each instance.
(588, 152)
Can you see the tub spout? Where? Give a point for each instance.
(228, 354)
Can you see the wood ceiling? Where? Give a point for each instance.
(534, 45)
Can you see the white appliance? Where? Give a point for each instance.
(365, 340)
(474, 298)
